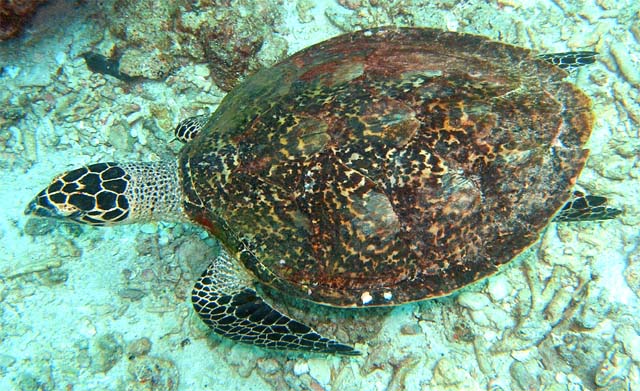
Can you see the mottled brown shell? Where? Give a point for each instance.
(388, 165)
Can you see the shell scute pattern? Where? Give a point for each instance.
(395, 172)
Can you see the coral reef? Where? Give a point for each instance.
(169, 34)
(14, 14)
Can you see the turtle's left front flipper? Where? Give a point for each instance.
(584, 207)
(224, 300)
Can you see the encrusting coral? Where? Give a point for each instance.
(14, 15)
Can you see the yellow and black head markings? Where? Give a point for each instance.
(93, 194)
(377, 168)
(112, 193)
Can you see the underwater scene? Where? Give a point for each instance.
(193, 200)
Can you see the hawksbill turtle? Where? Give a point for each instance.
(377, 168)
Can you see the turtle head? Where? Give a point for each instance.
(111, 193)
(93, 194)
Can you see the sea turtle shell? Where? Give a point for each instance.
(389, 165)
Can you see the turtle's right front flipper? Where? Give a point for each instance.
(586, 207)
(569, 61)
(224, 300)
(190, 127)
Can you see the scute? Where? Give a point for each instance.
(402, 170)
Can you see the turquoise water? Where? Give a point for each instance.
(86, 308)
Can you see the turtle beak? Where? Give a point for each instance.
(31, 209)
(36, 209)
(40, 206)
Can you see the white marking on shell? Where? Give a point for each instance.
(387, 295)
(366, 298)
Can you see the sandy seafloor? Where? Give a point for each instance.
(85, 308)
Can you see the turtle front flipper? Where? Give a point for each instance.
(223, 299)
(190, 127)
(570, 60)
(584, 207)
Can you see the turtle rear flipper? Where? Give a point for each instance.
(584, 207)
(570, 60)
(225, 302)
